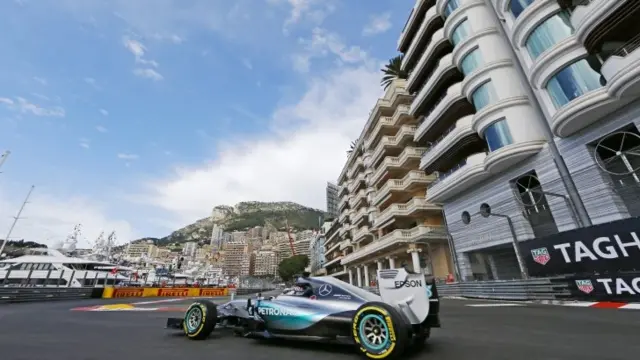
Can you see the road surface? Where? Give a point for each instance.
(474, 330)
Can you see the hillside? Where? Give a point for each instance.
(244, 216)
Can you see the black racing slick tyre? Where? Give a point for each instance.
(200, 319)
(380, 332)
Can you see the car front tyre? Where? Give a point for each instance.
(379, 331)
(200, 319)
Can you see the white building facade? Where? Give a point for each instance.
(530, 112)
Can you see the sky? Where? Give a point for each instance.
(140, 116)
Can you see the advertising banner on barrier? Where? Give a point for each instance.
(622, 288)
(128, 292)
(110, 292)
(606, 248)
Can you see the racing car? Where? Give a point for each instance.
(327, 309)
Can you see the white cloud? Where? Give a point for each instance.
(124, 156)
(104, 112)
(304, 11)
(84, 143)
(40, 80)
(172, 38)
(377, 24)
(291, 162)
(48, 219)
(24, 106)
(101, 129)
(324, 43)
(148, 74)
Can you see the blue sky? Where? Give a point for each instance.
(141, 115)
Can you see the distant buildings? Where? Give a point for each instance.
(332, 200)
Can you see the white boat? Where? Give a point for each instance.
(51, 268)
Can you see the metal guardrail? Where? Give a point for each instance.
(533, 289)
(23, 294)
(516, 290)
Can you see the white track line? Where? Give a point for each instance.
(495, 305)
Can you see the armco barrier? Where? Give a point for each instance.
(24, 294)
(533, 289)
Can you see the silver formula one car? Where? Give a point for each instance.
(327, 309)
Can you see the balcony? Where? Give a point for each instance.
(416, 18)
(343, 216)
(460, 139)
(361, 234)
(397, 166)
(410, 183)
(395, 240)
(360, 216)
(344, 229)
(388, 125)
(432, 21)
(334, 261)
(417, 207)
(622, 70)
(444, 75)
(593, 19)
(357, 183)
(357, 197)
(438, 46)
(393, 145)
(460, 178)
(333, 248)
(344, 244)
(511, 155)
(452, 106)
(344, 202)
(355, 167)
(343, 189)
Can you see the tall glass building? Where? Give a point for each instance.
(530, 112)
(332, 200)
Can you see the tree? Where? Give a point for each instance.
(393, 70)
(292, 266)
(352, 147)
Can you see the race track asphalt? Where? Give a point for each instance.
(50, 331)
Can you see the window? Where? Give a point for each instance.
(550, 32)
(498, 135)
(470, 62)
(518, 6)
(450, 7)
(460, 33)
(484, 95)
(571, 82)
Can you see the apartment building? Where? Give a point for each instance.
(266, 263)
(332, 200)
(384, 212)
(237, 258)
(333, 249)
(190, 248)
(141, 249)
(530, 112)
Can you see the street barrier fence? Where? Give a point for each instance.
(22, 294)
(533, 289)
(35, 294)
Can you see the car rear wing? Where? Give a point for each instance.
(410, 292)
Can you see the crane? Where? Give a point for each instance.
(293, 251)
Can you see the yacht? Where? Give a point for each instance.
(52, 268)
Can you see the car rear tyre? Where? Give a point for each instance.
(380, 331)
(200, 319)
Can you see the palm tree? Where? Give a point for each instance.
(352, 147)
(393, 70)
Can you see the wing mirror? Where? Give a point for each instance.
(271, 297)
